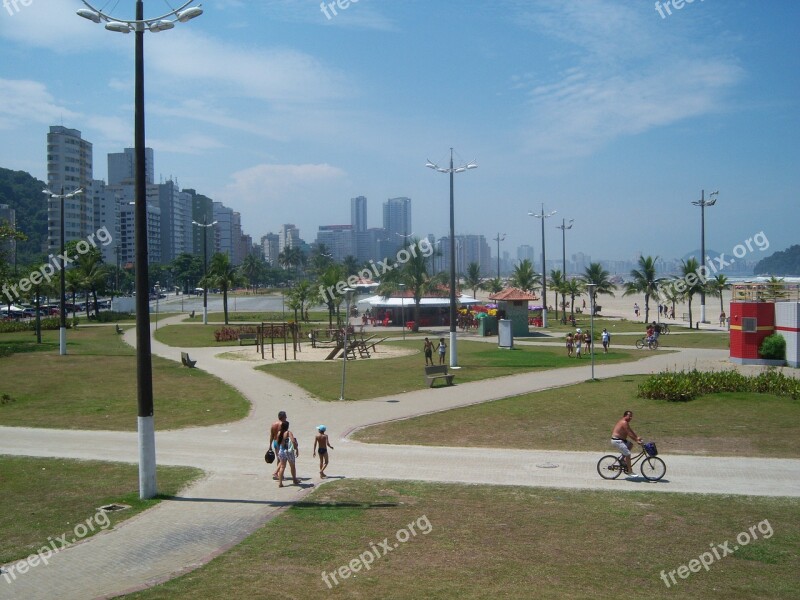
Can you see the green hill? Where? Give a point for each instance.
(23, 193)
(785, 263)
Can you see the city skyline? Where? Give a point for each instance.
(613, 115)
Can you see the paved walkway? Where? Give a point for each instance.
(237, 495)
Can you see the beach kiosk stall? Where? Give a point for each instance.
(512, 304)
(757, 311)
(434, 311)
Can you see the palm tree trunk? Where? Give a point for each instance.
(416, 315)
(690, 313)
(225, 302)
(647, 308)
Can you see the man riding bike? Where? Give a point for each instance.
(619, 439)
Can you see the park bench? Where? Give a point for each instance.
(119, 329)
(432, 373)
(187, 362)
(246, 338)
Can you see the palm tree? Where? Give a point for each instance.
(494, 285)
(574, 288)
(414, 275)
(93, 275)
(320, 258)
(473, 278)
(644, 282)
(327, 281)
(350, 264)
(252, 269)
(222, 274)
(716, 286)
(690, 282)
(525, 278)
(556, 284)
(596, 275)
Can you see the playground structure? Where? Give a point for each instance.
(281, 331)
(358, 345)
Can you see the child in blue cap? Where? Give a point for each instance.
(321, 445)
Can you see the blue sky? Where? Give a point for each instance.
(601, 110)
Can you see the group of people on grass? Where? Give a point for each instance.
(286, 448)
(427, 349)
(579, 341)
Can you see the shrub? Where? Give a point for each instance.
(682, 386)
(773, 347)
(230, 334)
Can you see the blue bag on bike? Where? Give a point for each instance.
(650, 448)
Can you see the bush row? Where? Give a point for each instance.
(50, 323)
(682, 386)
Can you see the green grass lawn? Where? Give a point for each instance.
(374, 378)
(477, 542)
(194, 335)
(580, 417)
(94, 386)
(45, 497)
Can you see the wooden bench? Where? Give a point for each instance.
(119, 329)
(432, 373)
(248, 338)
(187, 362)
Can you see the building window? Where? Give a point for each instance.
(749, 324)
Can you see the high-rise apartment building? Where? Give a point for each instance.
(223, 230)
(397, 221)
(358, 214)
(289, 237)
(270, 248)
(176, 221)
(338, 239)
(69, 167)
(122, 167)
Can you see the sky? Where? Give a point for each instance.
(614, 113)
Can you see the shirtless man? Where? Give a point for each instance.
(274, 429)
(619, 438)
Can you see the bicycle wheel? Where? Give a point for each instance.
(653, 345)
(608, 467)
(653, 468)
(639, 344)
(665, 328)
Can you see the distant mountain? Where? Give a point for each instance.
(785, 263)
(23, 193)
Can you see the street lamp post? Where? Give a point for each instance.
(543, 216)
(591, 287)
(348, 298)
(402, 287)
(563, 227)
(452, 170)
(62, 329)
(205, 227)
(499, 239)
(144, 367)
(702, 203)
(158, 297)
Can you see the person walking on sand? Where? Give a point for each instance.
(427, 348)
(288, 451)
(274, 430)
(442, 349)
(321, 445)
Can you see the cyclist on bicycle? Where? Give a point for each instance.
(619, 439)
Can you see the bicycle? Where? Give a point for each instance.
(651, 344)
(664, 328)
(652, 468)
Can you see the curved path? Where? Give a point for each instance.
(237, 494)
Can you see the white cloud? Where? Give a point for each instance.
(23, 102)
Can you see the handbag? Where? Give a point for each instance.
(269, 456)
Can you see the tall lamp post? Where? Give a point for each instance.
(452, 170)
(348, 298)
(591, 287)
(702, 203)
(62, 328)
(205, 227)
(402, 287)
(543, 216)
(499, 239)
(144, 368)
(563, 227)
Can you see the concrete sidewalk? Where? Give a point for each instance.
(238, 495)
